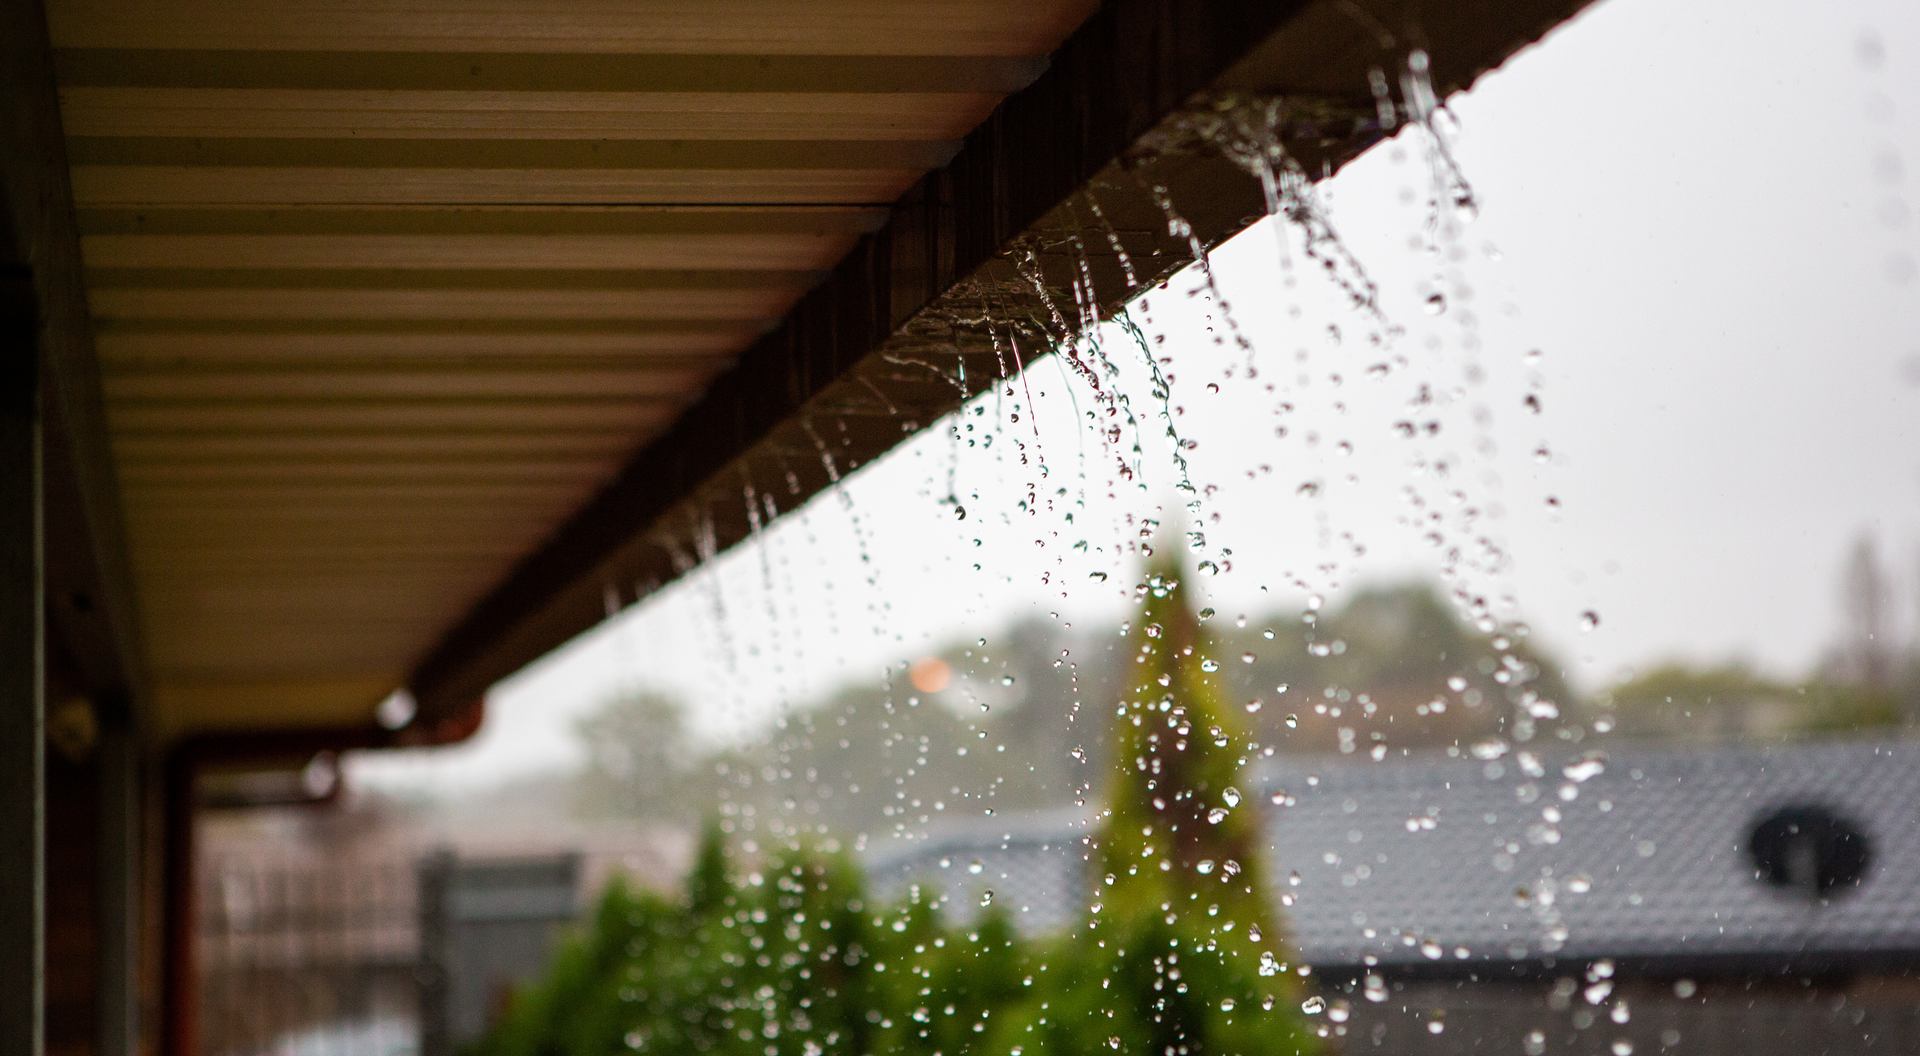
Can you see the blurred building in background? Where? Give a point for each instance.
(363, 928)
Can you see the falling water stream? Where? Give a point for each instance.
(1152, 536)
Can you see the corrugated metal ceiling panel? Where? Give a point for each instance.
(384, 290)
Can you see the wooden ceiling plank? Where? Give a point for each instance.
(338, 278)
(561, 155)
(110, 303)
(368, 416)
(201, 363)
(570, 252)
(129, 346)
(265, 185)
(867, 115)
(379, 219)
(551, 388)
(697, 27)
(130, 451)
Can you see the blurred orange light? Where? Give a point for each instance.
(930, 675)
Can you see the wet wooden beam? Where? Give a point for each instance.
(874, 353)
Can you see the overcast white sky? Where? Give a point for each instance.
(1696, 211)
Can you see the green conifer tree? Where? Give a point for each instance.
(1194, 953)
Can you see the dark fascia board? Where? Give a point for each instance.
(884, 347)
(88, 577)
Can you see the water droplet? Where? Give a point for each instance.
(1456, 683)
(1253, 705)
(1542, 455)
(1206, 614)
(1153, 630)
(959, 512)
(1216, 816)
(1231, 796)
(1209, 666)
(1436, 303)
(1293, 722)
(1431, 950)
(1622, 1047)
(1293, 878)
(1269, 964)
(986, 897)
(975, 866)
(1206, 865)
(1585, 769)
(1491, 748)
(1313, 1006)
(1589, 620)
(1531, 402)
(1226, 1004)
(1006, 680)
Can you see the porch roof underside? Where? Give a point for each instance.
(382, 292)
(423, 330)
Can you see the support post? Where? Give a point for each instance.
(119, 881)
(22, 693)
(179, 989)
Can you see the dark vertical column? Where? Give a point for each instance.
(179, 987)
(119, 886)
(430, 969)
(22, 701)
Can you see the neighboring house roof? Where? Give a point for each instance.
(1660, 839)
(1649, 861)
(1032, 865)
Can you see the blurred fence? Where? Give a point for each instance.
(308, 959)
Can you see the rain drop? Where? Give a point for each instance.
(1436, 303)
(1313, 1006)
(1584, 770)
(1589, 620)
(1491, 748)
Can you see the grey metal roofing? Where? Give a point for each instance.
(1647, 861)
(1033, 865)
(1658, 839)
